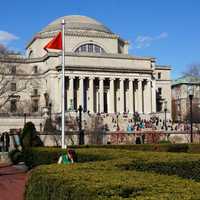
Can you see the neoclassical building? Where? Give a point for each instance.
(100, 74)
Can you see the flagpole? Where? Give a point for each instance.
(63, 84)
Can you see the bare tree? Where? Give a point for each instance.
(13, 79)
(193, 70)
(3, 50)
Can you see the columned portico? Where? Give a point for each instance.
(99, 92)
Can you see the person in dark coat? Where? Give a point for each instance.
(7, 138)
(3, 141)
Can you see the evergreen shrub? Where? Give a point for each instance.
(29, 137)
(15, 156)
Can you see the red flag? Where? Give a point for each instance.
(55, 43)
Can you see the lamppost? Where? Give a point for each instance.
(81, 132)
(165, 110)
(117, 121)
(50, 107)
(190, 91)
(24, 119)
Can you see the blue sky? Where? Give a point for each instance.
(167, 30)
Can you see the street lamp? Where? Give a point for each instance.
(81, 132)
(24, 119)
(190, 92)
(165, 110)
(117, 121)
(50, 107)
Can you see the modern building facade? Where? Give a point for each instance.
(100, 74)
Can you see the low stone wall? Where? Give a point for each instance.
(150, 137)
(147, 137)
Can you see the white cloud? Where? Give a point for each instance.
(162, 36)
(146, 41)
(6, 37)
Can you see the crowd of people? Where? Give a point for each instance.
(135, 123)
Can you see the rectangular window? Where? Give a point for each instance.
(35, 69)
(159, 75)
(13, 105)
(13, 87)
(13, 70)
(35, 92)
(35, 105)
(90, 47)
(83, 48)
(97, 49)
(160, 91)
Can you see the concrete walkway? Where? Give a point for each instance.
(12, 182)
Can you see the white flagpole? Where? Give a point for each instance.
(63, 84)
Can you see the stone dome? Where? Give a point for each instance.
(76, 23)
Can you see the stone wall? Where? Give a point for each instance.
(148, 137)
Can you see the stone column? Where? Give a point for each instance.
(101, 93)
(147, 97)
(121, 95)
(81, 91)
(139, 100)
(153, 96)
(135, 96)
(71, 93)
(91, 94)
(131, 105)
(57, 95)
(112, 96)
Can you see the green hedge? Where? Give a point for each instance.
(16, 156)
(148, 147)
(118, 174)
(184, 169)
(44, 155)
(37, 156)
(190, 148)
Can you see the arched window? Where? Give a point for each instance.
(90, 48)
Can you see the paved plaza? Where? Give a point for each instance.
(12, 182)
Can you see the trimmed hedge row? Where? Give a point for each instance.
(40, 156)
(190, 148)
(184, 169)
(116, 176)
